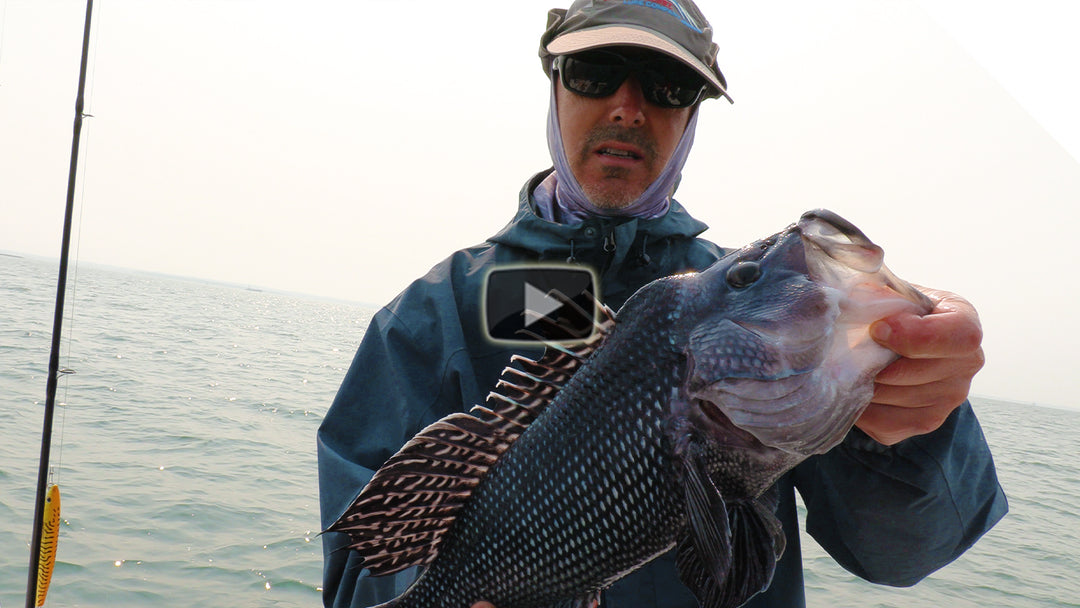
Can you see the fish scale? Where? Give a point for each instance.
(667, 428)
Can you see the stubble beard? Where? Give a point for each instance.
(617, 196)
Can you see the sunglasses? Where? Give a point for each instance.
(664, 81)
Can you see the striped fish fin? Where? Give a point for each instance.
(402, 514)
(526, 387)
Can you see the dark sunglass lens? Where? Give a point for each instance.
(593, 74)
(670, 95)
(665, 82)
(671, 84)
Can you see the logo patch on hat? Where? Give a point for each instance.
(668, 6)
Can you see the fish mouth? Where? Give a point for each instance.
(836, 250)
(839, 239)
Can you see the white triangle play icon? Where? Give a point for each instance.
(538, 304)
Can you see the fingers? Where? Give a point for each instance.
(915, 372)
(940, 354)
(890, 424)
(951, 329)
(913, 397)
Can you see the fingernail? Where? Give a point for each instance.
(880, 331)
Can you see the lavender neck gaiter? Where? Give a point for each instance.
(561, 199)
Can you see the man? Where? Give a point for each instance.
(905, 493)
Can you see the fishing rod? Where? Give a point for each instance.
(38, 579)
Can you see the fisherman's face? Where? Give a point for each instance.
(619, 144)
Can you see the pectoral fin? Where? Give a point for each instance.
(757, 543)
(729, 552)
(708, 534)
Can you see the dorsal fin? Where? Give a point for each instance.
(526, 387)
(401, 515)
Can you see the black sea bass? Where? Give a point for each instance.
(667, 429)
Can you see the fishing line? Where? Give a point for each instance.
(73, 283)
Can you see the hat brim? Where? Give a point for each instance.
(622, 35)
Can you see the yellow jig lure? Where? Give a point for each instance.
(50, 531)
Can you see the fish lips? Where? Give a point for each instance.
(826, 232)
(836, 249)
(820, 236)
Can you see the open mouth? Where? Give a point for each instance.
(620, 153)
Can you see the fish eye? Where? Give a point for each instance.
(743, 274)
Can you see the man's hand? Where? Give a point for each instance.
(940, 354)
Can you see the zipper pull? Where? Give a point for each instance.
(609, 242)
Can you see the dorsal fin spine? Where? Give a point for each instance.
(401, 516)
(560, 348)
(524, 374)
(500, 416)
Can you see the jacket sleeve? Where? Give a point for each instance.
(409, 370)
(892, 515)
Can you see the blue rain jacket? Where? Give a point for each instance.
(890, 515)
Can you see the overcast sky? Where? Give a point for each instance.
(343, 148)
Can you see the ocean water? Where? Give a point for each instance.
(185, 454)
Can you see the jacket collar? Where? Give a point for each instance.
(549, 239)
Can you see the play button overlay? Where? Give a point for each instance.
(539, 303)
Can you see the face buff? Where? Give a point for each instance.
(559, 198)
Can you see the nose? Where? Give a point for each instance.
(628, 104)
